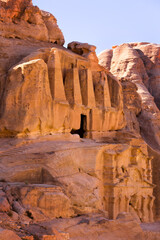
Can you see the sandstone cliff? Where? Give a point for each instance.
(20, 19)
(74, 162)
(136, 65)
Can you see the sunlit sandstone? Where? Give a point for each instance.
(77, 165)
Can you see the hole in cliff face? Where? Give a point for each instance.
(82, 131)
(29, 214)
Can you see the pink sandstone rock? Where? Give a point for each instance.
(20, 19)
(135, 63)
(48, 93)
(4, 205)
(8, 235)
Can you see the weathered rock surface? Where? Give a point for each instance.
(105, 58)
(136, 65)
(82, 186)
(139, 64)
(7, 234)
(84, 49)
(98, 227)
(20, 19)
(150, 55)
(54, 183)
(70, 95)
(4, 205)
(47, 88)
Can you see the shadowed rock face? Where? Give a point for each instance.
(150, 55)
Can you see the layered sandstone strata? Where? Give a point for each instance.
(45, 180)
(78, 178)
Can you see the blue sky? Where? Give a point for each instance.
(105, 23)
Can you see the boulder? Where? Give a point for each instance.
(8, 235)
(97, 226)
(84, 49)
(4, 204)
(41, 201)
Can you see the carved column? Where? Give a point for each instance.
(55, 76)
(127, 199)
(76, 85)
(150, 207)
(107, 100)
(145, 216)
(91, 95)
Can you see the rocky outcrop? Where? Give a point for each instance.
(138, 63)
(98, 227)
(20, 19)
(76, 166)
(150, 55)
(45, 178)
(132, 106)
(85, 50)
(63, 83)
(105, 58)
(7, 234)
(102, 183)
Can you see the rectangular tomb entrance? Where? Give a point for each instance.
(82, 131)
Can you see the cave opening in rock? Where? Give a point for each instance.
(82, 131)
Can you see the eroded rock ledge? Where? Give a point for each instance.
(47, 184)
(137, 65)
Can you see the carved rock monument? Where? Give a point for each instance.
(79, 134)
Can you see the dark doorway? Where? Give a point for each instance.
(82, 132)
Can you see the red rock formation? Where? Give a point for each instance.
(20, 19)
(136, 65)
(139, 64)
(150, 55)
(46, 182)
(10, 10)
